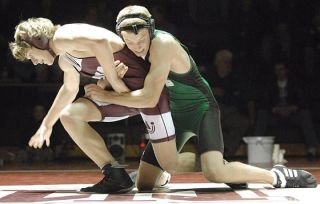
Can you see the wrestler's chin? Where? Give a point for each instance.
(140, 54)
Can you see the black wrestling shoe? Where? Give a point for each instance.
(293, 178)
(237, 186)
(116, 180)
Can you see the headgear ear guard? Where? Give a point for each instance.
(40, 42)
(135, 27)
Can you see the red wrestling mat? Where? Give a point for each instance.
(63, 186)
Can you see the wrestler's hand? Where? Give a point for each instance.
(95, 92)
(121, 68)
(42, 135)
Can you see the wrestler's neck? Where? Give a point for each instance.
(53, 47)
(55, 50)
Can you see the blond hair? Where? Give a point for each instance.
(31, 28)
(132, 10)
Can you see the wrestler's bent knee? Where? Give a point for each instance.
(66, 117)
(214, 174)
(67, 113)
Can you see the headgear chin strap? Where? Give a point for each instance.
(41, 43)
(136, 27)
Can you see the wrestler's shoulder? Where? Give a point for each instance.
(163, 38)
(64, 31)
(164, 41)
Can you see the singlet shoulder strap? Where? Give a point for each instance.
(157, 32)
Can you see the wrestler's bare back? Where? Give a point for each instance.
(82, 41)
(71, 38)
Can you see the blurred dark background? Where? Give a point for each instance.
(258, 33)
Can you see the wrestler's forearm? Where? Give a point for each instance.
(135, 99)
(103, 52)
(63, 98)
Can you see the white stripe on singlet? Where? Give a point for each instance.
(76, 63)
(159, 126)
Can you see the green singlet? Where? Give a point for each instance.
(194, 110)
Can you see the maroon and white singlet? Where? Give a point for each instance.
(158, 120)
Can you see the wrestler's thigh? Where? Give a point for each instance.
(147, 176)
(83, 109)
(166, 154)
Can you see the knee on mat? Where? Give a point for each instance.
(214, 174)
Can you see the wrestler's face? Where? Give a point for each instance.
(137, 43)
(38, 56)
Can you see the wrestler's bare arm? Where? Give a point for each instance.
(85, 40)
(66, 94)
(121, 70)
(161, 57)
